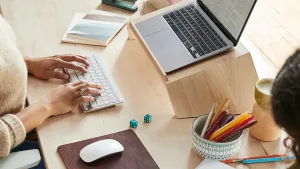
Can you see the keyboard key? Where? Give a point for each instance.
(73, 77)
(112, 99)
(200, 51)
(206, 50)
(111, 95)
(219, 45)
(213, 48)
(86, 106)
(94, 104)
(104, 98)
(100, 102)
(178, 33)
(71, 71)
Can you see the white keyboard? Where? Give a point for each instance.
(98, 73)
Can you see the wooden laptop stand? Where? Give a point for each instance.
(194, 89)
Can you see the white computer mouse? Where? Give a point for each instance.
(100, 149)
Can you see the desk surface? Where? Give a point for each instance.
(39, 27)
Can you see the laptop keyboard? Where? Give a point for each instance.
(194, 31)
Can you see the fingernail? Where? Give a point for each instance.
(92, 98)
(98, 92)
(66, 77)
(98, 86)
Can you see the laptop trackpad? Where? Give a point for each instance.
(168, 50)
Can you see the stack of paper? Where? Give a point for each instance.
(95, 28)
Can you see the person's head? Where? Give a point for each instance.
(286, 100)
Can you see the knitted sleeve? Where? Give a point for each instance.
(12, 133)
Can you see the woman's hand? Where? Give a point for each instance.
(67, 97)
(61, 100)
(45, 67)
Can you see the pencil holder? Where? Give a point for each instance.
(213, 150)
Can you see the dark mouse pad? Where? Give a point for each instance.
(134, 156)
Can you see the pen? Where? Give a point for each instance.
(208, 120)
(234, 160)
(266, 160)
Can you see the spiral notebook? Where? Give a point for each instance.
(134, 156)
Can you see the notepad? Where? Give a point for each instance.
(210, 164)
(94, 28)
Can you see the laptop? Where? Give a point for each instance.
(195, 31)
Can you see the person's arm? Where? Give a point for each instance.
(13, 128)
(63, 99)
(34, 115)
(12, 133)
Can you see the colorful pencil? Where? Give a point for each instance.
(264, 160)
(235, 160)
(231, 136)
(220, 109)
(250, 124)
(215, 125)
(231, 118)
(233, 129)
(228, 126)
(208, 120)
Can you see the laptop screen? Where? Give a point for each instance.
(232, 14)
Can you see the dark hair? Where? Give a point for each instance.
(286, 100)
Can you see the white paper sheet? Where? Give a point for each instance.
(209, 164)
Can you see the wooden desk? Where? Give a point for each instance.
(39, 26)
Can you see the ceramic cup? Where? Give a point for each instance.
(213, 150)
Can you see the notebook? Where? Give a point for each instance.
(94, 28)
(134, 156)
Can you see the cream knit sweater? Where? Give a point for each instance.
(13, 81)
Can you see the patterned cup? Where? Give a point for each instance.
(213, 150)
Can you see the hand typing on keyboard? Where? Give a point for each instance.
(98, 74)
(67, 97)
(44, 67)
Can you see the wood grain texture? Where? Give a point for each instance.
(194, 95)
(134, 156)
(272, 34)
